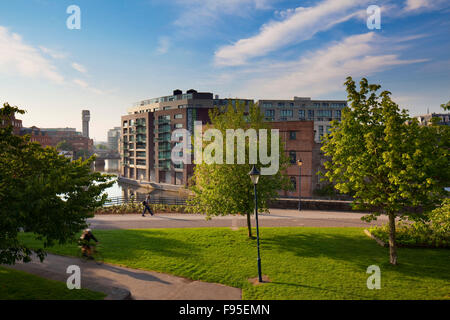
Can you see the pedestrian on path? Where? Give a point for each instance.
(146, 204)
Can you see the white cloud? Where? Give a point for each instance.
(296, 27)
(414, 5)
(322, 71)
(17, 57)
(53, 53)
(163, 45)
(79, 67)
(83, 84)
(207, 12)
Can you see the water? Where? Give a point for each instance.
(120, 189)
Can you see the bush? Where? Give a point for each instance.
(432, 233)
(137, 207)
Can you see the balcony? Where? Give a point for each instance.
(163, 129)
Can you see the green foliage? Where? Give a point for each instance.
(392, 167)
(446, 106)
(42, 192)
(222, 189)
(432, 233)
(135, 207)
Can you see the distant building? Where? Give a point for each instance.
(86, 117)
(113, 138)
(444, 118)
(12, 121)
(37, 135)
(71, 136)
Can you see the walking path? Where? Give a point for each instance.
(276, 218)
(125, 283)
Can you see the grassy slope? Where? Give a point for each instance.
(302, 263)
(18, 285)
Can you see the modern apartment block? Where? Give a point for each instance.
(147, 133)
(113, 138)
(322, 112)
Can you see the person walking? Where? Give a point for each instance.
(146, 204)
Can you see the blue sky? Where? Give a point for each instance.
(128, 50)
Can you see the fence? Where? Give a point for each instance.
(115, 201)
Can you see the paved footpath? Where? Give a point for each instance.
(118, 282)
(276, 218)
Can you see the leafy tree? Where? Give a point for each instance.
(222, 189)
(394, 166)
(43, 193)
(446, 107)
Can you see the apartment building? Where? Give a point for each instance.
(147, 133)
(113, 138)
(11, 121)
(322, 112)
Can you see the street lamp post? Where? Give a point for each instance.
(299, 163)
(254, 176)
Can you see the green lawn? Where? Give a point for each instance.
(18, 285)
(302, 263)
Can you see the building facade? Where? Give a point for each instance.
(12, 121)
(321, 112)
(113, 138)
(443, 118)
(37, 135)
(146, 140)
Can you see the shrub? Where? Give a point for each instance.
(432, 233)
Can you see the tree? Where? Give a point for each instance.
(42, 193)
(446, 107)
(222, 189)
(394, 166)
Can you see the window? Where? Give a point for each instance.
(325, 104)
(320, 132)
(294, 183)
(328, 129)
(179, 116)
(267, 105)
(281, 104)
(270, 113)
(291, 104)
(292, 157)
(301, 114)
(292, 135)
(140, 154)
(311, 114)
(337, 114)
(286, 113)
(178, 126)
(316, 104)
(324, 113)
(166, 108)
(141, 162)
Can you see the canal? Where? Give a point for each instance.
(120, 189)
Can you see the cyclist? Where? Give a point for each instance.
(85, 239)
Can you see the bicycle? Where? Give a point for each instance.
(95, 255)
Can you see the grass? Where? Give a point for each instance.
(19, 285)
(302, 263)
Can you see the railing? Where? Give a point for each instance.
(115, 201)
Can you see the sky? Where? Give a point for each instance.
(129, 50)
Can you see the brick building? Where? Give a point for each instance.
(36, 135)
(12, 121)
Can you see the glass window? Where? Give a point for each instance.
(178, 126)
(320, 131)
(286, 113)
(294, 183)
(292, 135)
(292, 157)
(337, 114)
(311, 114)
(179, 116)
(281, 104)
(267, 105)
(270, 113)
(301, 114)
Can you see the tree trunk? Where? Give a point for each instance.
(249, 225)
(392, 244)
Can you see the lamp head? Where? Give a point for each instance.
(299, 162)
(254, 175)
